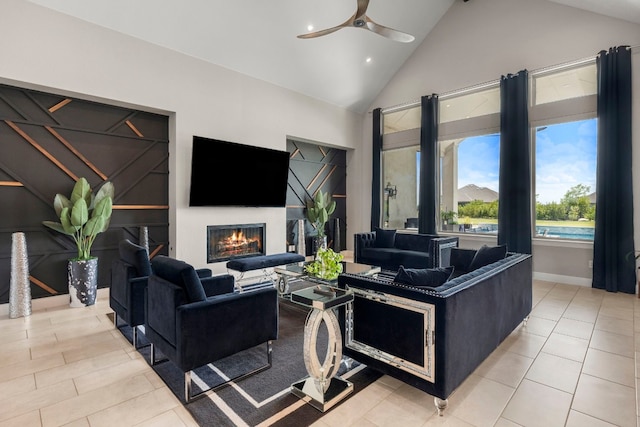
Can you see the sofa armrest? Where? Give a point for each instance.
(204, 272)
(362, 241)
(441, 250)
(218, 285)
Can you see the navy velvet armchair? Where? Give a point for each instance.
(129, 277)
(195, 321)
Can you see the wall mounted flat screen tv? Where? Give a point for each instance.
(226, 173)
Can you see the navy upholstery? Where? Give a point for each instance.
(390, 249)
(474, 313)
(195, 332)
(129, 278)
(423, 277)
(263, 261)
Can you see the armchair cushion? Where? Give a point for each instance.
(423, 277)
(136, 256)
(181, 274)
(487, 255)
(385, 238)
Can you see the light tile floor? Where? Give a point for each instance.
(574, 364)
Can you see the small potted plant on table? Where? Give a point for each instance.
(318, 211)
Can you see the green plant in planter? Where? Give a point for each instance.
(448, 217)
(327, 265)
(83, 216)
(318, 211)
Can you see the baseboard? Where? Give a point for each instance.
(40, 304)
(558, 278)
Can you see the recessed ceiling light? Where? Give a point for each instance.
(309, 27)
(368, 60)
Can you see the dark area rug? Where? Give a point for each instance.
(264, 398)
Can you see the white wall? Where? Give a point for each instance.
(49, 51)
(479, 41)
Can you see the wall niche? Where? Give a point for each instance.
(47, 141)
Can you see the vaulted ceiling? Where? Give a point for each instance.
(347, 68)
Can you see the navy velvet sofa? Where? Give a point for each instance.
(389, 249)
(434, 338)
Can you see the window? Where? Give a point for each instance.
(469, 142)
(563, 122)
(399, 189)
(563, 118)
(566, 180)
(401, 143)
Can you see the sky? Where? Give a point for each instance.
(565, 157)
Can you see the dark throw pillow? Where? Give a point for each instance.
(385, 238)
(423, 277)
(487, 255)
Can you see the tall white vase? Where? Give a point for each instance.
(302, 247)
(144, 238)
(19, 287)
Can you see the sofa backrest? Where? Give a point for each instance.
(469, 279)
(413, 242)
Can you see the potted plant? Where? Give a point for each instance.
(448, 219)
(83, 216)
(327, 265)
(318, 211)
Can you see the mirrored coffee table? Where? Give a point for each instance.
(295, 272)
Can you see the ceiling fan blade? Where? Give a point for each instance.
(323, 32)
(389, 33)
(362, 9)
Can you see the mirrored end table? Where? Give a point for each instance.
(322, 389)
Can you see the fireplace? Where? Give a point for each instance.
(225, 242)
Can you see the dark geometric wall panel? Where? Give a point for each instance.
(313, 168)
(47, 142)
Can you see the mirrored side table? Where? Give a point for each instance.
(322, 389)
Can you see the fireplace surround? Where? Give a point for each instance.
(225, 242)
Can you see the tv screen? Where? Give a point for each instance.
(230, 174)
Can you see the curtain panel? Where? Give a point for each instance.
(514, 208)
(613, 246)
(376, 170)
(428, 195)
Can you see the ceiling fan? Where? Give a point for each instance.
(361, 20)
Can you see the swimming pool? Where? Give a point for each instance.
(548, 231)
(565, 232)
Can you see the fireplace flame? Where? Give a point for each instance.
(235, 242)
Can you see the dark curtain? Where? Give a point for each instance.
(514, 206)
(428, 165)
(376, 169)
(613, 248)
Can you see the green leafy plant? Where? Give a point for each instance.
(448, 217)
(318, 211)
(327, 265)
(83, 216)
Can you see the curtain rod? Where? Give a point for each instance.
(445, 95)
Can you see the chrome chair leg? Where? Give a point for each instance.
(187, 387)
(188, 397)
(152, 353)
(134, 338)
